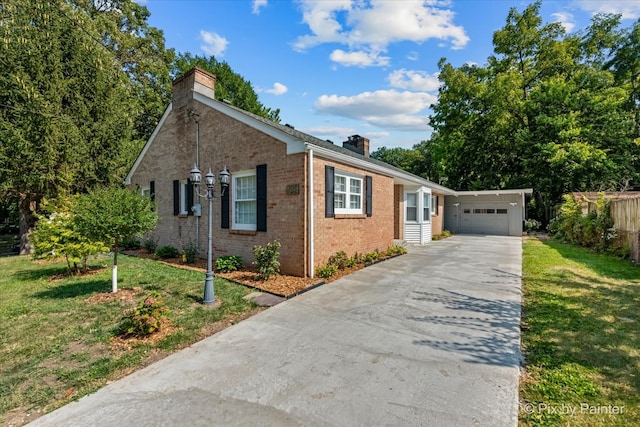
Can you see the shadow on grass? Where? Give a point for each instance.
(571, 317)
(75, 289)
(489, 334)
(40, 273)
(601, 264)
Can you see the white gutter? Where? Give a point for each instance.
(310, 208)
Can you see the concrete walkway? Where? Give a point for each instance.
(428, 338)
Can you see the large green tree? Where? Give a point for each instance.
(82, 84)
(230, 85)
(551, 111)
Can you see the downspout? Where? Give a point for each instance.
(310, 211)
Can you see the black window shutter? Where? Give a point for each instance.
(152, 191)
(437, 203)
(369, 189)
(224, 209)
(261, 198)
(176, 197)
(189, 203)
(329, 183)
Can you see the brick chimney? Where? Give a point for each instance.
(357, 144)
(194, 80)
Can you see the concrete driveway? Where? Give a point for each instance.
(428, 338)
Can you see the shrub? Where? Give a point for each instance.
(327, 270)
(370, 257)
(532, 225)
(130, 243)
(168, 251)
(267, 259)
(150, 245)
(340, 260)
(396, 250)
(56, 235)
(228, 263)
(145, 319)
(190, 252)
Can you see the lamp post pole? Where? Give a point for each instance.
(210, 180)
(209, 297)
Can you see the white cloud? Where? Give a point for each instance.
(565, 19)
(414, 80)
(384, 108)
(629, 9)
(277, 89)
(257, 5)
(213, 44)
(371, 26)
(413, 56)
(358, 59)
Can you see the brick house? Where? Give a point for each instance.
(314, 197)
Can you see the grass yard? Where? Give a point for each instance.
(58, 334)
(580, 337)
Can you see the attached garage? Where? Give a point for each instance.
(497, 212)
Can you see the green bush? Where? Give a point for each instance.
(396, 250)
(190, 252)
(327, 270)
(228, 263)
(145, 319)
(151, 245)
(267, 259)
(168, 251)
(130, 243)
(56, 235)
(370, 257)
(340, 260)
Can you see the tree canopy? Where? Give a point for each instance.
(554, 111)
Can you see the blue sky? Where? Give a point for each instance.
(341, 67)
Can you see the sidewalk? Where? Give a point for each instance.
(428, 338)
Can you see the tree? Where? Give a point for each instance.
(56, 235)
(112, 214)
(80, 89)
(229, 85)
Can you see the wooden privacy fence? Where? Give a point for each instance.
(626, 218)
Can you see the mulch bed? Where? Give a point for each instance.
(281, 284)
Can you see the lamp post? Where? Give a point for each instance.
(209, 180)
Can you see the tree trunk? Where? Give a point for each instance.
(27, 208)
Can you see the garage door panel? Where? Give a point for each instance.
(485, 219)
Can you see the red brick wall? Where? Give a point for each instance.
(398, 219)
(225, 141)
(352, 234)
(437, 220)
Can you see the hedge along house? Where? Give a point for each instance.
(314, 197)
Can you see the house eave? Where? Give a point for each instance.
(399, 176)
(518, 191)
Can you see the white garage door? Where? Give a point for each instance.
(486, 219)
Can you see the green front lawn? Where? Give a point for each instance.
(57, 333)
(580, 337)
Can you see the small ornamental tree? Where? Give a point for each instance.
(111, 214)
(56, 236)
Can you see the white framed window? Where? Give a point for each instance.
(348, 194)
(244, 200)
(411, 207)
(434, 205)
(146, 192)
(426, 207)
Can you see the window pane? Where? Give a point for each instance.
(411, 200)
(412, 213)
(245, 187)
(341, 184)
(354, 201)
(339, 201)
(355, 186)
(502, 211)
(245, 212)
